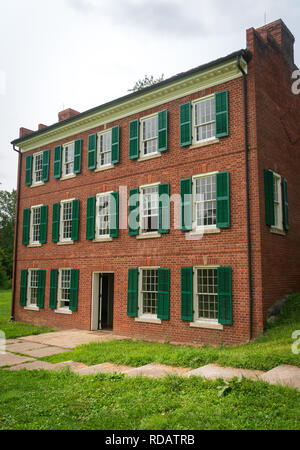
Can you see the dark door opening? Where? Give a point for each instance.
(106, 295)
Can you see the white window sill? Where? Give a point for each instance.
(204, 143)
(150, 156)
(206, 324)
(104, 239)
(212, 230)
(275, 230)
(67, 177)
(100, 169)
(40, 183)
(63, 311)
(31, 308)
(148, 320)
(65, 243)
(148, 236)
(38, 244)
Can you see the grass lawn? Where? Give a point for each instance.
(15, 329)
(264, 353)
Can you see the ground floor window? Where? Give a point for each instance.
(64, 288)
(32, 287)
(206, 295)
(148, 292)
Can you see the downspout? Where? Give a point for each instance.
(12, 316)
(249, 244)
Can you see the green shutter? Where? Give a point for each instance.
(133, 220)
(77, 155)
(285, 205)
(185, 124)
(53, 289)
(186, 204)
(90, 217)
(92, 152)
(269, 197)
(134, 139)
(55, 222)
(28, 170)
(132, 294)
(163, 130)
(43, 224)
(57, 162)
(74, 290)
(46, 160)
(26, 224)
(114, 215)
(187, 312)
(41, 288)
(224, 296)
(23, 288)
(75, 220)
(223, 200)
(115, 144)
(163, 294)
(221, 106)
(164, 208)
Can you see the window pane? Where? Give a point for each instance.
(32, 298)
(207, 294)
(150, 209)
(69, 159)
(149, 135)
(38, 167)
(206, 201)
(65, 281)
(104, 149)
(36, 219)
(67, 220)
(103, 211)
(205, 119)
(149, 291)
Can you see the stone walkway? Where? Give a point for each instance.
(22, 353)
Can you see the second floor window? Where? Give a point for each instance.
(205, 201)
(149, 209)
(66, 221)
(277, 202)
(64, 289)
(35, 224)
(149, 135)
(68, 159)
(37, 168)
(204, 120)
(104, 149)
(103, 216)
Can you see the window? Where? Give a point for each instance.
(149, 209)
(68, 159)
(206, 294)
(149, 135)
(37, 168)
(148, 292)
(204, 119)
(32, 287)
(64, 289)
(205, 204)
(103, 216)
(35, 219)
(277, 201)
(104, 149)
(66, 220)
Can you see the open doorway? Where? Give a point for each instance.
(103, 295)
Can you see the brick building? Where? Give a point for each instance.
(206, 165)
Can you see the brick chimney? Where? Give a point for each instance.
(24, 132)
(41, 126)
(67, 114)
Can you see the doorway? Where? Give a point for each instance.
(103, 295)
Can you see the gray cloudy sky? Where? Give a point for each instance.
(56, 54)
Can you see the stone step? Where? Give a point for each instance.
(156, 371)
(284, 375)
(9, 359)
(102, 368)
(213, 372)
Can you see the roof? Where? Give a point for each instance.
(243, 53)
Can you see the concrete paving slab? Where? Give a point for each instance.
(12, 341)
(36, 365)
(9, 359)
(213, 372)
(23, 347)
(285, 375)
(102, 368)
(73, 365)
(46, 351)
(156, 371)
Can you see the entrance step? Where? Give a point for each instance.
(102, 368)
(156, 371)
(285, 375)
(213, 372)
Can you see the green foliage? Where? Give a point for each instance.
(7, 226)
(145, 82)
(227, 386)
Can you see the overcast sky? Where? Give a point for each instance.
(56, 54)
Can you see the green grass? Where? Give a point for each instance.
(46, 400)
(15, 329)
(264, 353)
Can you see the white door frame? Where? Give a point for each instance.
(95, 299)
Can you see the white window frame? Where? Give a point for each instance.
(65, 309)
(31, 241)
(278, 217)
(141, 143)
(194, 133)
(34, 182)
(102, 236)
(64, 163)
(107, 165)
(141, 315)
(30, 305)
(61, 239)
(141, 216)
(201, 320)
(196, 228)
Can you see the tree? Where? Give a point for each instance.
(7, 227)
(145, 82)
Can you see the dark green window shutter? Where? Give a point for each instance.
(115, 144)
(23, 288)
(74, 290)
(163, 294)
(269, 197)
(43, 224)
(90, 217)
(77, 155)
(92, 152)
(164, 208)
(28, 170)
(134, 139)
(223, 200)
(114, 215)
(186, 204)
(163, 130)
(185, 124)
(132, 294)
(224, 296)
(41, 288)
(133, 220)
(57, 162)
(187, 312)
(221, 106)
(26, 224)
(55, 222)
(53, 289)
(75, 220)
(46, 161)
(285, 205)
